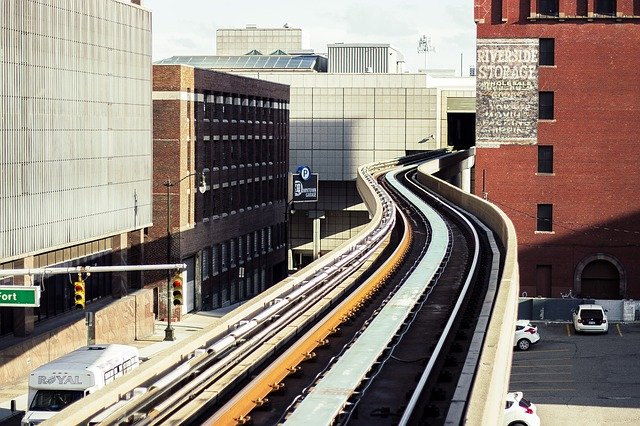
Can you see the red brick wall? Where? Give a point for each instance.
(595, 134)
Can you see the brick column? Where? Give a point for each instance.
(23, 318)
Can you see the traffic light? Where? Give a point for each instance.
(176, 282)
(79, 293)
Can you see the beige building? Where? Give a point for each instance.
(266, 41)
(341, 121)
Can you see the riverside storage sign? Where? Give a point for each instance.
(507, 92)
(15, 295)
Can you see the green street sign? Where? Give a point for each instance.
(15, 295)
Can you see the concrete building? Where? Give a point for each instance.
(364, 58)
(234, 132)
(558, 120)
(75, 147)
(342, 120)
(260, 41)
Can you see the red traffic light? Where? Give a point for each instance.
(176, 281)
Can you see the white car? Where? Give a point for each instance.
(519, 411)
(526, 335)
(590, 318)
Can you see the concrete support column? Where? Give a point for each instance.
(465, 180)
(119, 246)
(316, 216)
(316, 238)
(23, 318)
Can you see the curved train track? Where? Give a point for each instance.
(263, 369)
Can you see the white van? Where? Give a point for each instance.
(63, 381)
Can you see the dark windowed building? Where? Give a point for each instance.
(558, 137)
(222, 143)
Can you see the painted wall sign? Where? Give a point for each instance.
(507, 92)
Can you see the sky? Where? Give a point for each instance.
(189, 27)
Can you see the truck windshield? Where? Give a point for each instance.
(54, 399)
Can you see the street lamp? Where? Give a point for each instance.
(202, 188)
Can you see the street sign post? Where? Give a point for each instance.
(15, 295)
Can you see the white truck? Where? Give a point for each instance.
(63, 381)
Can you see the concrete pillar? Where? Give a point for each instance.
(316, 238)
(465, 180)
(316, 215)
(119, 246)
(23, 318)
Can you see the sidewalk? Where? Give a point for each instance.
(148, 347)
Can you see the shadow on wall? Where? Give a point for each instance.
(598, 262)
(542, 309)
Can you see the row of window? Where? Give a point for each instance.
(238, 250)
(224, 107)
(544, 216)
(601, 7)
(234, 196)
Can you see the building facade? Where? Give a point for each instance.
(234, 132)
(558, 120)
(342, 121)
(75, 147)
(364, 58)
(261, 41)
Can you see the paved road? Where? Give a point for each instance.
(582, 379)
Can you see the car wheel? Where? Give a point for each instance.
(524, 344)
(517, 424)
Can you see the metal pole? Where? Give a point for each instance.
(168, 332)
(92, 269)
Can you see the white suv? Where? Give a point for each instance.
(590, 318)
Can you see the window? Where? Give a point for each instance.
(545, 218)
(605, 7)
(545, 106)
(548, 7)
(545, 159)
(215, 259)
(547, 47)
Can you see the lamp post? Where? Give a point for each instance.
(202, 188)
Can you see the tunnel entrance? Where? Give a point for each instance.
(461, 130)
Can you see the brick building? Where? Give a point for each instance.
(234, 132)
(558, 124)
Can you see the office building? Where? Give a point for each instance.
(75, 148)
(232, 133)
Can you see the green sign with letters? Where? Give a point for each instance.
(15, 295)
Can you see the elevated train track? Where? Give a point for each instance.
(302, 320)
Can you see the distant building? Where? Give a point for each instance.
(75, 147)
(364, 58)
(234, 131)
(260, 41)
(558, 125)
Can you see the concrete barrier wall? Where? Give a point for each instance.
(486, 404)
(122, 321)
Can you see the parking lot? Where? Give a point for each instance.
(581, 379)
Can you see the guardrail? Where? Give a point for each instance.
(491, 382)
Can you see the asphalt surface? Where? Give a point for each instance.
(585, 379)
